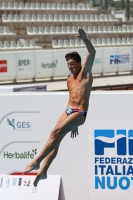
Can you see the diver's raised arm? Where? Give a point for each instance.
(91, 50)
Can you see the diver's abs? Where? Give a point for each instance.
(79, 103)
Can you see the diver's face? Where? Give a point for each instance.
(73, 66)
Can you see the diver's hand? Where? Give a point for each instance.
(82, 34)
(74, 132)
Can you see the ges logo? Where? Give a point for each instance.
(121, 141)
(19, 125)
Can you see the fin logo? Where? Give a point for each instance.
(109, 139)
(114, 59)
(120, 59)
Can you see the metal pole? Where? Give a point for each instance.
(106, 4)
(127, 9)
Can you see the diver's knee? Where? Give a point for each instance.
(56, 133)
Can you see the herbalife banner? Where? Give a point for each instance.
(45, 64)
(59, 64)
(51, 63)
(96, 165)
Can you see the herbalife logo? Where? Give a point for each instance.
(49, 65)
(19, 125)
(24, 155)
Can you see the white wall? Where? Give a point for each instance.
(75, 161)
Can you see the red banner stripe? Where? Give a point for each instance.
(3, 62)
(3, 69)
(20, 173)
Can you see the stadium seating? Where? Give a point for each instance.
(13, 45)
(44, 6)
(1, 45)
(5, 31)
(51, 18)
(6, 45)
(119, 41)
(95, 42)
(60, 20)
(104, 42)
(54, 30)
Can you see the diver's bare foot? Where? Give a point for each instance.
(31, 166)
(39, 177)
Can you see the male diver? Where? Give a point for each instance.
(79, 87)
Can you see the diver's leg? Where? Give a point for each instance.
(47, 162)
(35, 164)
(61, 129)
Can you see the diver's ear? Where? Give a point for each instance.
(79, 63)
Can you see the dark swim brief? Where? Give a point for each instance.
(69, 111)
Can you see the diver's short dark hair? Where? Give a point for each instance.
(73, 55)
